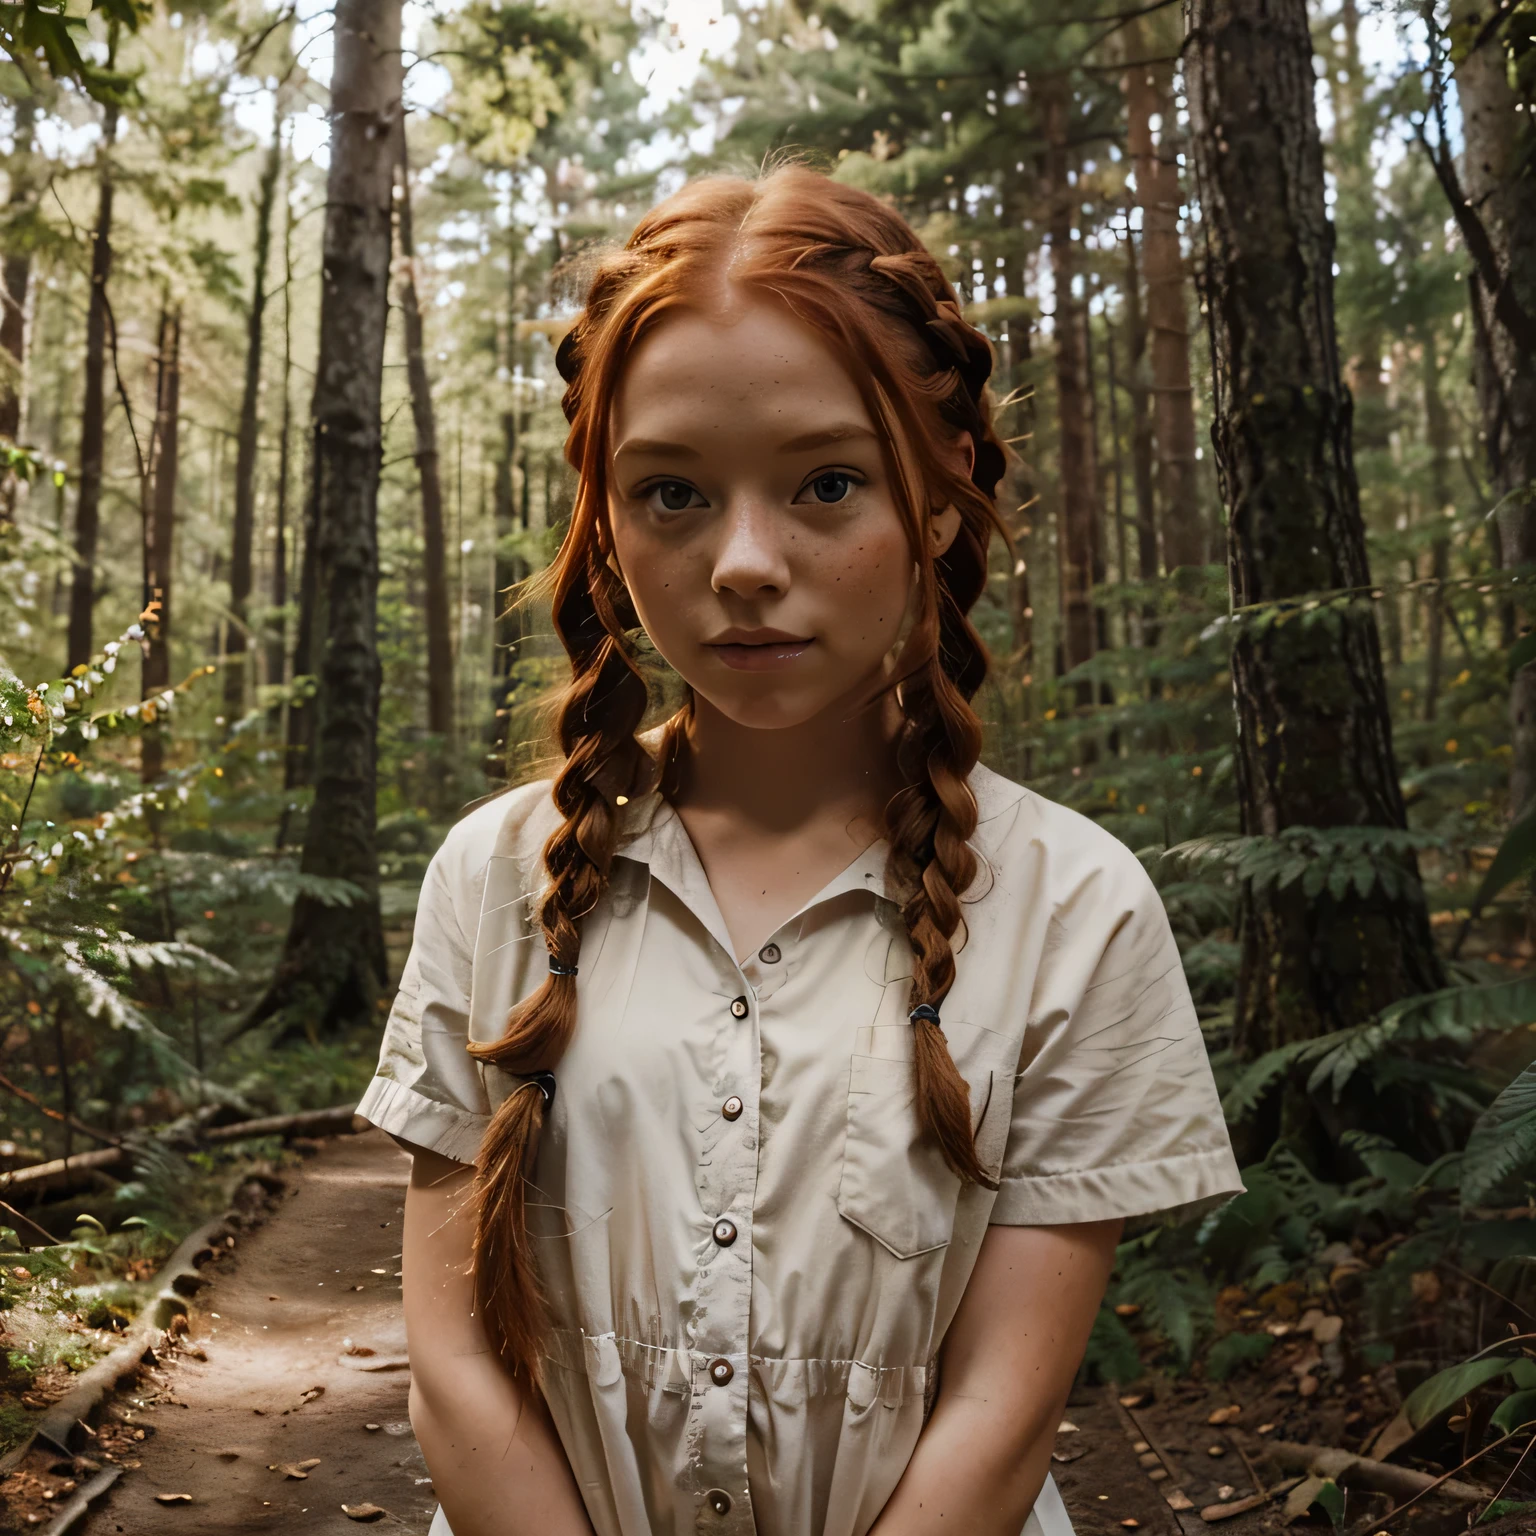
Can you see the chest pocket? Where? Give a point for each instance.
(895, 1184)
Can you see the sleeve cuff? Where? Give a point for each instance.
(442, 1128)
(1182, 1187)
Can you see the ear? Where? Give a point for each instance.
(945, 524)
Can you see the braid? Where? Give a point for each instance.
(599, 715)
(929, 825)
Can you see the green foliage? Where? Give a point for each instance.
(1447, 1388)
(1234, 1352)
(1503, 1142)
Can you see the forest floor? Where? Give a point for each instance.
(294, 1363)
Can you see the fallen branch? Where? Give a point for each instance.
(10, 1210)
(1348, 1469)
(54, 1114)
(1214, 1512)
(338, 1121)
(1443, 1484)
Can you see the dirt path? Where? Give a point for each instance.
(274, 1324)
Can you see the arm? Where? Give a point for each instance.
(496, 1462)
(1008, 1362)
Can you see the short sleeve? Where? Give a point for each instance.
(1115, 1110)
(427, 1088)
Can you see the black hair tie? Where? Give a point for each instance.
(545, 1083)
(556, 969)
(924, 1011)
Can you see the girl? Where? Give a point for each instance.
(784, 1198)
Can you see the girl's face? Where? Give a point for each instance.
(753, 515)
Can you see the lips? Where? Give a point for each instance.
(760, 650)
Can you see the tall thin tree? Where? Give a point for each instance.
(82, 592)
(277, 616)
(1314, 732)
(434, 540)
(1078, 471)
(1149, 99)
(333, 959)
(160, 530)
(16, 280)
(238, 642)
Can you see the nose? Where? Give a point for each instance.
(751, 560)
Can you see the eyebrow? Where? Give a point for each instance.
(839, 432)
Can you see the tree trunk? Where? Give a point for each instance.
(333, 960)
(159, 535)
(1147, 94)
(1137, 387)
(238, 643)
(1437, 428)
(82, 592)
(277, 621)
(434, 541)
(16, 275)
(1314, 731)
(1499, 194)
(1077, 515)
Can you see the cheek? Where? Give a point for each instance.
(868, 581)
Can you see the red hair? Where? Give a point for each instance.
(852, 269)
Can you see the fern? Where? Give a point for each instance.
(1503, 1142)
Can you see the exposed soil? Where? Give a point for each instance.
(232, 1402)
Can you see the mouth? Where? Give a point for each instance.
(764, 650)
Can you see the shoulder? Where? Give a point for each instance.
(1048, 856)
(511, 824)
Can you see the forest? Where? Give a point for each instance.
(281, 446)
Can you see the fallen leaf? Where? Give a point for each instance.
(373, 1426)
(361, 1349)
(173, 1498)
(274, 1298)
(1265, 1429)
(1133, 1400)
(1225, 1492)
(309, 1394)
(294, 1468)
(362, 1511)
(1425, 1287)
(1309, 1319)
(1178, 1499)
(1326, 1331)
(1066, 1456)
(1228, 1415)
(1307, 1386)
(1130, 1525)
(1215, 1450)
(1141, 1448)
(1127, 1309)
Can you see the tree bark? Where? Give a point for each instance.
(238, 642)
(1148, 93)
(434, 540)
(1314, 731)
(82, 592)
(1136, 385)
(16, 275)
(1500, 195)
(277, 620)
(333, 960)
(160, 533)
(1437, 428)
(1077, 513)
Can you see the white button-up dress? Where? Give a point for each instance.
(752, 1254)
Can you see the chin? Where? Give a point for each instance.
(768, 710)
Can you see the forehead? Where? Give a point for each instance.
(753, 368)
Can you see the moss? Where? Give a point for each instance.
(15, 1425)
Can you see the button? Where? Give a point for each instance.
(720, 1372)
(732, 1108)
(725, 1232)
(738, 1008)
(718, 1500)
(770, 954)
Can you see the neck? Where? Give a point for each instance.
(840, 764)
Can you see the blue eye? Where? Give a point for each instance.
(832, 486)
(675, 496)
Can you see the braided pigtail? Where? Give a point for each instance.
(929, 825)
(598, 718)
